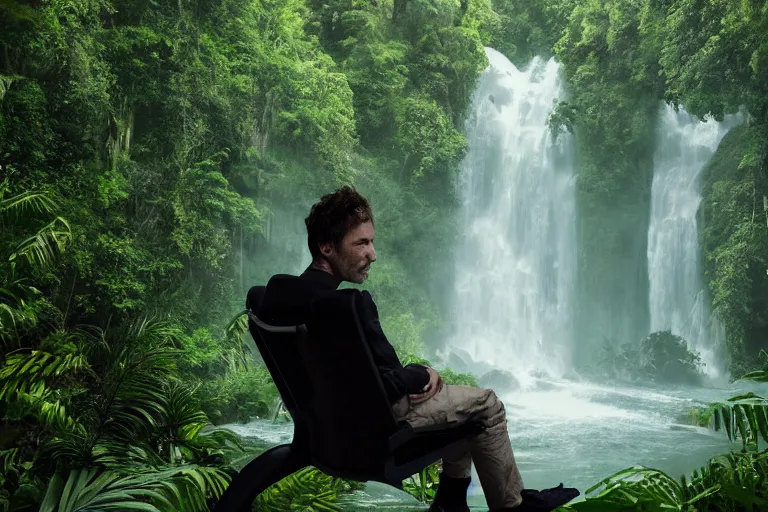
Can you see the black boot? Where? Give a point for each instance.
(545, 500)
(451, 495)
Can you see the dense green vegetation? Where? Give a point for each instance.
(621, 58)
(156, 155)
(735, 238)
(151, 154)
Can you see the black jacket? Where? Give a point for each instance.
(292, 307)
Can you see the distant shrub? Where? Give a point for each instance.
(659, 357)
(666, 357)
(239, 396)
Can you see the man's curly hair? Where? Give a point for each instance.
(331, 218)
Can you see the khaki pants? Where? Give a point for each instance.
(491, 451)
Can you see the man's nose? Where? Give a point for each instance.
(372, 254)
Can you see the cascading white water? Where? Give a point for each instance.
(515, 266)
(677, 298)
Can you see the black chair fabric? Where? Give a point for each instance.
(349, 415)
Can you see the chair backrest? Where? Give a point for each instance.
(279, 350)
(350, 418)
(325, 373)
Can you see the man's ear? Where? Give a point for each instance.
(326, 249)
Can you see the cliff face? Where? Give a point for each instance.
(734, 220)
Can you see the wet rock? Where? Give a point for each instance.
(499, 380)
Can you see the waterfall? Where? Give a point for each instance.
(677, 298)
(515, 264)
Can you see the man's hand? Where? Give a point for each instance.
(432, 388)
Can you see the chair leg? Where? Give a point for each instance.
(265, 470)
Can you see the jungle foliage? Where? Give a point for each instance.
(151, 152)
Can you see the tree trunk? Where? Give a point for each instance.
(398, 9)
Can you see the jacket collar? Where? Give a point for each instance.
(322, 277)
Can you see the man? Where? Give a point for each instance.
(340, 231)
(340, 236)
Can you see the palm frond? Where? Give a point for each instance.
(29, 202)
(307, 489)
(12, 319)
(149, 332)
(178, 488)
(240, 347)
(185, 431)
(640, 484)
(51, 414)
(20, 311)
(735, 481)
(237, 327)
(744, 416)
(21, 372)
(182, 421)
(119, 455)
(183, 410)
(126, 405)
(636, 488)
(40, 249)
(195, 484)
(24, 386)
(137, 401)
(131, 400)
(72, 448)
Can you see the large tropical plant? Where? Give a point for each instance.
(33, 235)
(127, 411)
(102, 412)
(29, 359)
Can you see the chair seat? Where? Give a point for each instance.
(410, 451)
(413, 449)
(406, 439)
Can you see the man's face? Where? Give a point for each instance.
(352, 260)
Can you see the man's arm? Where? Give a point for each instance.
(398, 380)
